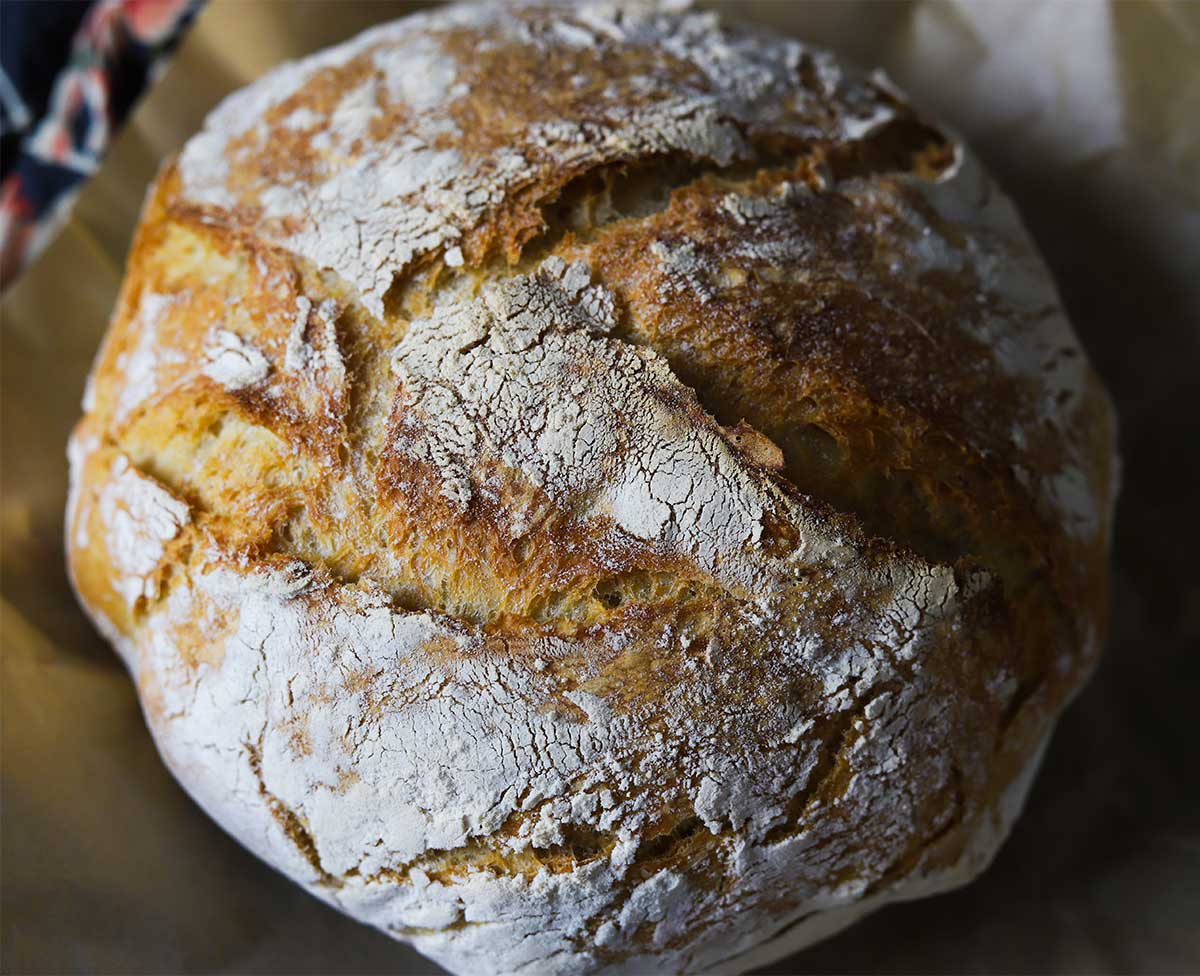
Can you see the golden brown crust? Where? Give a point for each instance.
(799, 627)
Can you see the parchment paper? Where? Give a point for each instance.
(1090, 115)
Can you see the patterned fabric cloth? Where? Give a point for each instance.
(70, 71)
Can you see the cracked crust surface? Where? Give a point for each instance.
(643, 514)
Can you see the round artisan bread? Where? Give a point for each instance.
(587, 488)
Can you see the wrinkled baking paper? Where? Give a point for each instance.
(1089, 113)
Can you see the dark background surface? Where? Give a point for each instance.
(108, 867)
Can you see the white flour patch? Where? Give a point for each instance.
(140, 516)
(329, 704)
(323, 357)
(140, 365)
(527, 374)
(233, 362)
(373, 204)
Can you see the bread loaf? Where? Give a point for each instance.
(591, 489)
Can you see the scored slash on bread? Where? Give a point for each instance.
(588, 488)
